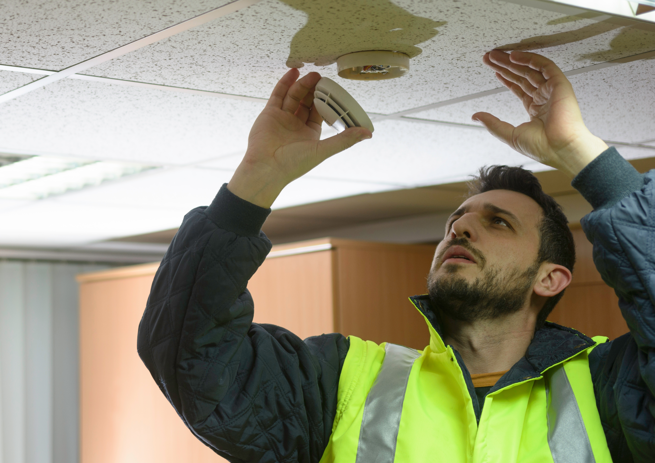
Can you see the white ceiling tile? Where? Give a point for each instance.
(57, 34)
(7, 204)
(174, 188)
(414, 154)
(141, 204)
(47, 223)
(246, 52)
(107, 121)
(232, 161)
(10, 80)
(309, 189)
(630, 152)
(617, 103)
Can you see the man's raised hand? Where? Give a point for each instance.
(556, 134)
(284, 142)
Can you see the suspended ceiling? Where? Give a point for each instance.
(185, 103)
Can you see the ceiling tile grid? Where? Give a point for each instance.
(10, 80)
(617, 103)
(106, 121)
(245, 53)
(57, 34)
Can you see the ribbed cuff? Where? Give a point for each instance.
(232, 213)
(607, 180)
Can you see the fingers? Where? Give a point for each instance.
(524, 76)
(299, 91)
(499, 129)
(315, 120)
(344, 140)
(304, 108)
(539, 63)
(282, 88)
(526, 99)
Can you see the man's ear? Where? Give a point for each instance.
(552, 279)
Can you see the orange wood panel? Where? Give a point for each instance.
(373, 287)
(585, 270)
(589, 305)
(124, 416)
(296, 293)
(592, 309)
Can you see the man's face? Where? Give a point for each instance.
(486, 265)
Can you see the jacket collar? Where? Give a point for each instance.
(552, 344)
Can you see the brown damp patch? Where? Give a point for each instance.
(633, 38)
(339, 27)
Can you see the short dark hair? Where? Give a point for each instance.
(556, 240)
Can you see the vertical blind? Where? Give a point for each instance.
(39, 361)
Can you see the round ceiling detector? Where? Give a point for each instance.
(338, 108)
(373, 65)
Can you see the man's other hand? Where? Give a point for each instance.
(556, 134)
(284, 142)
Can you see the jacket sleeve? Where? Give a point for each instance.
(251, 392)
(622, 231)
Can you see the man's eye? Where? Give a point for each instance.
(503, 221)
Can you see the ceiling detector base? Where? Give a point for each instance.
(373, 65)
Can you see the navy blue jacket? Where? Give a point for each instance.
(255, 392)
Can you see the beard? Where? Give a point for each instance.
(491, 296)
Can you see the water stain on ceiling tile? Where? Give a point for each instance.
(632, 38)
(245, 53)
(340, 27)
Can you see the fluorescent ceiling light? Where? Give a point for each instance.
(39, 177)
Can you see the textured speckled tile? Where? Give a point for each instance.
(106, 121)
(246, 52)
(55, 34)
(617, 103)
(409, 154)
(10, 80)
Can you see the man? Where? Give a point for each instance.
(258, 393)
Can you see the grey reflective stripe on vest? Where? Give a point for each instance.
(567, 435)
(384, 406)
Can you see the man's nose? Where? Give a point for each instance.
(464, 227)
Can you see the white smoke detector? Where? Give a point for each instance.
(338, 108)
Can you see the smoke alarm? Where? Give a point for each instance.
(373, 65)
(338, 108)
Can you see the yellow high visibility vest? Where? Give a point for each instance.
(398, 405)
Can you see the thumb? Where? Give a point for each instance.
(499, 129)
(344, 140)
